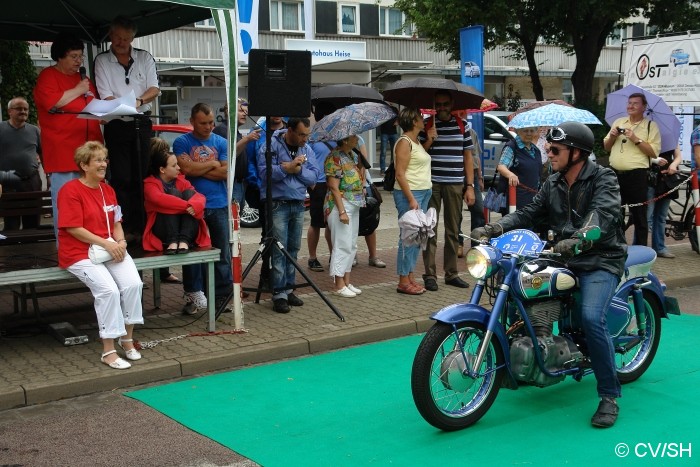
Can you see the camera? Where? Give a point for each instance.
(621, 130)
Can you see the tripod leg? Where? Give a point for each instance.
(337, 312)
(261, 251)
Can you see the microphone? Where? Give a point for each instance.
(83, 75)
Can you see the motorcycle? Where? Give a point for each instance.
(532, 334)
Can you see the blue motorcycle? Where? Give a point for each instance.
(532, 333)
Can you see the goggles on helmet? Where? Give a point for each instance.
(556, 134)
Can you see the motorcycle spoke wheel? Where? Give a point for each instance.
(636, 360)
(444, 394)
(689, 225)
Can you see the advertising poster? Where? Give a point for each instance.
(667, 66)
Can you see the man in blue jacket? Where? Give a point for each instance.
(293, 170)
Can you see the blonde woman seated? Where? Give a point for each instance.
(345, 180)
(88, 213)
(175, 214)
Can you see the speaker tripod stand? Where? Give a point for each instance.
(270, 242)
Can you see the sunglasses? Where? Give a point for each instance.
(443, 104)
(555, 150)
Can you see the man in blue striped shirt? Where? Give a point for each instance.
(449, 144)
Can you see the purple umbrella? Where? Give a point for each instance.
(657, 111)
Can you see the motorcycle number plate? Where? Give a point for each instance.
(520, 242)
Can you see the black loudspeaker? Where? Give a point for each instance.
(279, 83)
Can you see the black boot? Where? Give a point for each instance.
(607, 412)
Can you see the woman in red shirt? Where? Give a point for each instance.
(89, 214)
(60, 94)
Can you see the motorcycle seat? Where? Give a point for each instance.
(637, 254)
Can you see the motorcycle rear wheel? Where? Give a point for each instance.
(633, 363)
(689, 226)
(444, 395)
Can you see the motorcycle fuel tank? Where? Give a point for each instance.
(534, 281)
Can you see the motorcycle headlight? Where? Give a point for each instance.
(481, 261)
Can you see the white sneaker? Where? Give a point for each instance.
(354, 289)
(346, 292)
(198, 299)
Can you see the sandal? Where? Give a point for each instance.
(131, 354)
(182, 250)
(172, 279)
(409, 289)
(418, 286)
(171, 250)
(118, 364)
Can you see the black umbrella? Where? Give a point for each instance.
(342, 95)
(420, 92)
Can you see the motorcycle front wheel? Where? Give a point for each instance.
(444, 393)
(636, 359)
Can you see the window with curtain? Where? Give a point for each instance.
(349, 19)
(286, 16)
(391, 22)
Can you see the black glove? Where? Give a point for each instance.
(566, 248)
(485, 233)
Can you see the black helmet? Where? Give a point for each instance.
(573, 134)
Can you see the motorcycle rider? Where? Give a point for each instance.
(580, 194)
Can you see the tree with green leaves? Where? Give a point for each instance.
(18, 76)
(580, 27)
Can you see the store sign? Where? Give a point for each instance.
(328, 51)
(667, 66)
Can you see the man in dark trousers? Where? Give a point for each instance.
(120, 71)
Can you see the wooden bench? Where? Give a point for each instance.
(25, 204)
(27, 278)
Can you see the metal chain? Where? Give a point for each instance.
(150, 344)
(653, 200)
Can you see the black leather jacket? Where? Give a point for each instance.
(593, 199)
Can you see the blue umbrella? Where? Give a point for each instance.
(553, 115)
(657, 111)
(351, 120)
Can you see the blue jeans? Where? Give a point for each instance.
(407, 257)
(238, 194)
(656, 216)
(386, 140)
(193, 275)
(287, 223)
(58, 179)
(597, 290)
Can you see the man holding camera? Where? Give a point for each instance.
(293, 170)
(632, 142)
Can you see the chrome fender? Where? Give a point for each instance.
(460, 312)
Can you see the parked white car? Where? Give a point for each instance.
(496, 135)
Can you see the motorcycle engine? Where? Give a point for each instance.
(557, 352)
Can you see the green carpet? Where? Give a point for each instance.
(354, 407)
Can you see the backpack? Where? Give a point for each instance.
(431, 120)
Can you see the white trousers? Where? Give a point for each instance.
(344, 238)
(117, 290)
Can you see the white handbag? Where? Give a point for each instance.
(97, 253)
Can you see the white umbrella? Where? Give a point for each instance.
(417, 227)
